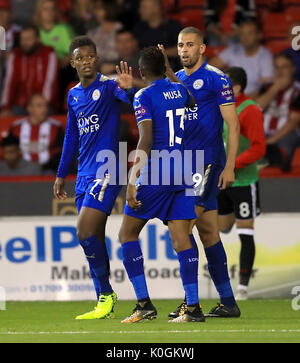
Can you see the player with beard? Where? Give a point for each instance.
(215, 104)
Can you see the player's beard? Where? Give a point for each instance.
(191, 62)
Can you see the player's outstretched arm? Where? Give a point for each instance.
(169, 71)
(173, 78)
(231, 118)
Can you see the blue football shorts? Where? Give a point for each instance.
(207, 194)
(162, 202)
(96, 193)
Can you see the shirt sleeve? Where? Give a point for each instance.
(120, 94)
(142, 108)
(71, 143)
(10, 81)
(251, 121)
(223, 90)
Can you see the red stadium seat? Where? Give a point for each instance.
(277, 46)
(287, 3)
(65, 8)
(133, 129)
(191, 3)
(5, 123)
(169, 5)
(190, 17)
(296, 159)
(275, 26)
(213, 51)
(276, 172)
(293, 14)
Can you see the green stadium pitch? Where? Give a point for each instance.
(262, 321)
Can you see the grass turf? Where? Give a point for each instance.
(46, 322)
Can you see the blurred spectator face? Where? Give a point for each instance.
(48, 12)
(81, 4)
(29, 41)
(11, 154)
(99, 12)
(37, 109)
(150, 9)
(250, 36)
(105, 11)
(126, 45)
(284, 68)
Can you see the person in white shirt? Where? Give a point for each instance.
(250, 55)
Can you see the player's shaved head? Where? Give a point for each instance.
(192, 30)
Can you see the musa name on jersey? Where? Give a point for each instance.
(164, 103)
(93, 125)
(211, 88)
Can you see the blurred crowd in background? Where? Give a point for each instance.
(35, 71)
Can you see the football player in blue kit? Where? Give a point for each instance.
(215, 104)
(92, 127)
(159, 110)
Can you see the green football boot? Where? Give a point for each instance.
(103, 310)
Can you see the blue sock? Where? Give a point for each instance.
(134, 264)
(217, 266)
(194, 244)
(96, 254)
(96, 282)
(188, 261)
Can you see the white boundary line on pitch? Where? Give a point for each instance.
(157, 331)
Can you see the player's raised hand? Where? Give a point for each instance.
(162, 49)
(131, 197)
(59, 189)
(125, 80)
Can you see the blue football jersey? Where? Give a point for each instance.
(164, 103)
(204, 123)
(93, 126)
